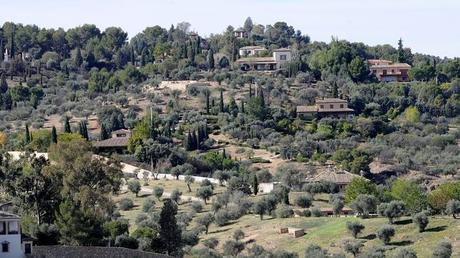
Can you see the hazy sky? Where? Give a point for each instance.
(427, 26)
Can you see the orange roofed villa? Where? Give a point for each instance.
(324, 107)
(387, 71)
(250, 60)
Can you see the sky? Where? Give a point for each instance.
(426, 26)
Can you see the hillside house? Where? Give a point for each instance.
(11, 242)
(340, 177)
(251, 51)
(241, 34)
(387, 71)
(325, 107)
(117, 144)
(275, 62)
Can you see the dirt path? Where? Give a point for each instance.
(165, 194)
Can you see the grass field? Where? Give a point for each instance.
(330, 233)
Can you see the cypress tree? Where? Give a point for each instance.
(196, 141)
(210, 59)
(54, 137)
(1, 48)
(104, 133)
(188, 143)
(224, 155)
(7, 101)
(221, 101)
(207, 102)
(250, 91)
(27, 135)
(67, 128)
(78, 58)
(170, 232)
(262, 98)
(84, 130)
(255, 184)
(12, 48)
(3, 84)
(242, 106)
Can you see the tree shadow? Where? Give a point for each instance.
(219, 231)
(403, 222)
(143, 195)
(369, 237)
(436, 229)
(402, 243)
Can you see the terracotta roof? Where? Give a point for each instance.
(7, 215)
(256, 60)
(396, 65)
(330, 100)
(334, 110)
(334, 175)
(113, 142)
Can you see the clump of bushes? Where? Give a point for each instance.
(125, 204)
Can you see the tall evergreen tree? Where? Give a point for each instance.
(3, 84)
(133, 58)
(401, 53)
(207, 102)
(170, 232)
(255, 184)
(210, 59)
(250, 91)
(242, 106)
(83, 130)
(12, 44)
(67, 128)
(54, 136)
(221, 107)
(104, 133)
(78, 58)
(27, 137)
(1, 47)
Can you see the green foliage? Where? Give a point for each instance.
(392, 210)
(443, 250)
(439, 198)
(359, 186)
(125, 204)
(170, 233)
(410, 193)
(421, 220)
(205, 193)
(134, 186)
(355, 227)
(412, 115)
(385, 233)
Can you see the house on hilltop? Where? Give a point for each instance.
(332, 174)
(387, 71)
(117, 144)
(241, 33)
(275, 62)
(325, 107)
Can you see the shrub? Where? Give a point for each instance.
(205, 221)
(303, 213)
(315, 212)
(126, 204)
(304, 201)
(126, 241)
(364, 204)
(315, 251)
(148, 205)
(134, 186)
(353, 247)
(238, 234)
(421, 220)
(453, 208)
(406, 253)
(443, 250)
(233, 247)
(158, 192)
(355, 227)
(385, 233)
(211, 242)
(175, 195)
(197, 206)
(284, 211)
(221, 217)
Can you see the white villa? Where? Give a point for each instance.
(253, 63)
(11, 243)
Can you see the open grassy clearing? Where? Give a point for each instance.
(330, 233)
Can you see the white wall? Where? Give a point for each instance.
(15, 246)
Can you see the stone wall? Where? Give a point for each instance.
(89, 252)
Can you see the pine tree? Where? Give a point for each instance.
(255, 184)
(27, 135)
(221, 107)
(54, 137)
(104, 133)
(170, 232)
(67, 128)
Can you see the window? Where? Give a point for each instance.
(13, 228)
(5, 247)
(283, 57)
(341, 105)
(2, 228)
(384, 72)
(321, 106)
(28, 248)
(331, 106)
